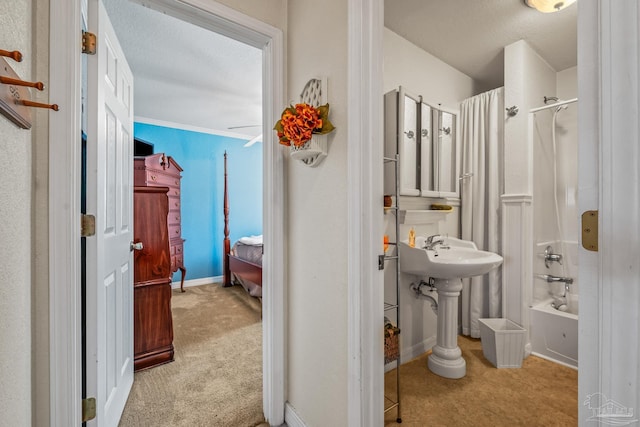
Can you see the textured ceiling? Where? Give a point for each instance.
(188, 75)
(470, 35)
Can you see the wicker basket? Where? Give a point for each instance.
(391, 343)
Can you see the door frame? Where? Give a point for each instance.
(609, 299)
(608, 109)
(365, 383)
(65, 378)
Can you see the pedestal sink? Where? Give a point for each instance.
(447, 262)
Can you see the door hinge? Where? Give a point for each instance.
(88, 43)
(88, 409)
(590, 230)
(88, 225)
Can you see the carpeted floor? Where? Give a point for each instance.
(216, 377)
(541, 393)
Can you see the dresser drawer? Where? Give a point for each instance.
(175, 246)
(174, 217)
(156, 178)
(174, 203)
(174, 231)
(177, 261)
(179, 248)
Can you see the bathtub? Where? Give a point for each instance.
(554, 334)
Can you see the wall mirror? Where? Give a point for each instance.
(439, 156)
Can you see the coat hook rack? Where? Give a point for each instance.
(15, 54)
(15, 97)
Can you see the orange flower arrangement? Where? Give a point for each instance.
(298, 123)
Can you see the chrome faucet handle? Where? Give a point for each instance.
(435, 236)
(432, 241)
(550, 257)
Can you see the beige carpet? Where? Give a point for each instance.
(541, 393)
(216, 378)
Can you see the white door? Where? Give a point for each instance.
(109, 295)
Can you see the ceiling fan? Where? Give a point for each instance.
(244, 126)
(251, 141)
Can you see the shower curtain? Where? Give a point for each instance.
(481, 185)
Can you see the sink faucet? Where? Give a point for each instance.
(432, 241)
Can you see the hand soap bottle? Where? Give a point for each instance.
(412, 238)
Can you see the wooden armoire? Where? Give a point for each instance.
(152, 320)
(162, 170)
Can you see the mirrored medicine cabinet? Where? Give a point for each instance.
(425, 139)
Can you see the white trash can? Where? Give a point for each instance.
(502, 342)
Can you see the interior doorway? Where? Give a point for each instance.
(65, 348)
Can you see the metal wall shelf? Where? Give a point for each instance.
(390, 403)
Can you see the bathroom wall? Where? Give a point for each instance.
(528, 78)
(420, 73)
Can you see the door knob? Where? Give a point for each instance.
(136, 246)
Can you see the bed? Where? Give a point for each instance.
(242, 263)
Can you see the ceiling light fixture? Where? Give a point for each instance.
(549, 6)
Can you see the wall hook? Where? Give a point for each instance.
(17, 82)
(512, 111)
(15, 55)
(28, 103)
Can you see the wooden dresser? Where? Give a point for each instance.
(152, 320)
(162, 170)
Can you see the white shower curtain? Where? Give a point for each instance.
(481, 185)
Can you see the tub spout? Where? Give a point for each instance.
(550, 279)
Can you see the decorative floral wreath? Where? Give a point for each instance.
(299, 122)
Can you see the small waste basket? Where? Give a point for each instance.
(502, 342)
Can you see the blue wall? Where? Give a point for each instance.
(201, 157)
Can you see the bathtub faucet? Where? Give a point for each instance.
(550, 257)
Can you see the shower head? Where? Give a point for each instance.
(550, 98)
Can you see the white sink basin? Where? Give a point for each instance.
(461, 259)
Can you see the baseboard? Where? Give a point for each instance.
(197, 282)
(291, 417)
(413, 352)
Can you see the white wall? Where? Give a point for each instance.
(420, 73)
(16, 232)
(567, 83)
(317, 224)
(528, 78)
(272, 12)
